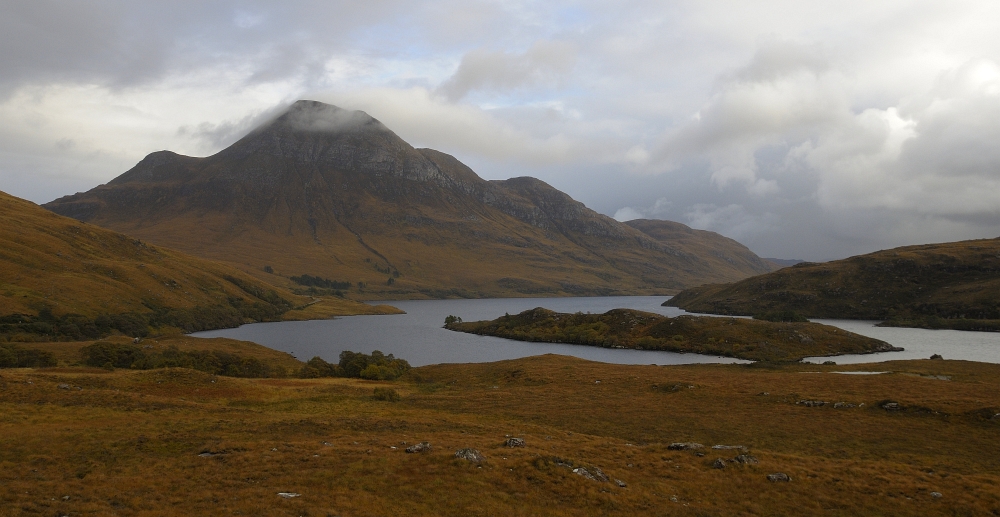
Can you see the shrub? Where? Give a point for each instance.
(13, 356)
(386, 394)
(451, 319)
(376, 366)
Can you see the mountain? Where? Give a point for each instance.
(334, 194)
(63, 279)
(725, 256)
(780, 263)
(952, 285)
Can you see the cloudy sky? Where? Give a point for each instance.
(813, 130)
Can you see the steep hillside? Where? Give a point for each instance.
(953, 285)
(335, 194)
(62, 279)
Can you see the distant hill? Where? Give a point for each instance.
(780, 263)
(335, 194)
(953, 285)
(724, 255)
(62, 279)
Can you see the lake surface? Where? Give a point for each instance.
(417, 336)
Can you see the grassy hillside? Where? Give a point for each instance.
(953, 285)
(179, 442)
(63, 279)
(626, 328)
(356, 205)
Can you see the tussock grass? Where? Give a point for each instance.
(129, 442)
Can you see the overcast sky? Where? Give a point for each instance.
(813, 130)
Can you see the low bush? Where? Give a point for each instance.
(13, 356)
(376, 366)
(110, 355)
(386, 394)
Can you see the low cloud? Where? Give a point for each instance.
(546, 63)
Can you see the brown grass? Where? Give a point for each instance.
(127, 443)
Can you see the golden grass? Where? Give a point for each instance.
(128, 443)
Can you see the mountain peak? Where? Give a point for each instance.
(319, 117)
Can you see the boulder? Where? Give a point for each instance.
(777, 477)
(620, 483)
(936, 495)
(472, 455)
(419, 447)
(843, 405)
(811, 403)
(936, 356)
(745, 459)
(514, 442)
(891, 406)
(685, 446)
(719, 463)
(593, 473)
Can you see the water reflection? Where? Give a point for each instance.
(417, 336)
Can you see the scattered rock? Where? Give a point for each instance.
(620, 483)
(64, 386)
(996, 417)
(840, 405)
(936, 495)
(811, 403)
(514, 442)
(472, 455)
(719, 463)
(935, 357)
(745, 459)
(891, 406)
(684, 446)
(763, 394)
(289, 495)
(419, 447)
(727, 447)
(328, 444)
(830, 363)
(594, 474)
(778, 476)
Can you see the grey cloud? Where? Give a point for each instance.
(546, 62)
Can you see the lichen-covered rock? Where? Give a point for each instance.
(778, 477)
(514, 442)
(472, 455)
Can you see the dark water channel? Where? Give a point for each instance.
(417, 336)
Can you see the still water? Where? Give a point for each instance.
(417, 336)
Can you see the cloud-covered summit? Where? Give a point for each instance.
(805, 129)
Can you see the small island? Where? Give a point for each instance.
(741, 338)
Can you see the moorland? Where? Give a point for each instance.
(912, 441)
(953, 285)
(626, 328)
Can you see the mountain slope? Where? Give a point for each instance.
(57, 272)
(723, 253)
(334, 193)
(951, 285)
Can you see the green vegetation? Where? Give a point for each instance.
(624, 328)
(952, 285)
(115, 355)
(386, 395)
(315, 281)
(376, 366)
(13, 356)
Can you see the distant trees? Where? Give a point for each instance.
(315, 281)
(451, 319)
(376, 366)
(13, 356)
(111, 355)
